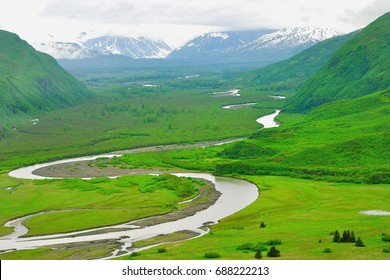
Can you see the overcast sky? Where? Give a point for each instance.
(177, 21)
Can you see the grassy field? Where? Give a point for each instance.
(303, 214)
(123, 117)
(92, 203)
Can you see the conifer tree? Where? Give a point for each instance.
(359, 243)
(258, 255)
(273, 252)
(353, 239)
(262, 225)
(336, 237)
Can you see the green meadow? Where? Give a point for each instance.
(301, 215)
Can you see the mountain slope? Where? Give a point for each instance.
(215, 44)
(360, 67)
(133, 47)
(140, 47)
(264, 46)
(292, 72)
(32, 82)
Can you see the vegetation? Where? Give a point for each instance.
(32, 83)
(358, 68)
(97, 203)
(292, 72)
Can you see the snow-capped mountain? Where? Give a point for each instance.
(64, 50)
(133, 47)
(289, 38)
(264, 45)
(215, 43)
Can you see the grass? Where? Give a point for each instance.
(300, 213)
(97, 203)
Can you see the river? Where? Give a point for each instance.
(235, 195)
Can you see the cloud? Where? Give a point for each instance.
(367, 14)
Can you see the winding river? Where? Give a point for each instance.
(235, 195)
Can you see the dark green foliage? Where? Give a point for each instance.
(162, 250)
(212, 255)
(262, 225)
(291, 73)
(135, 254)
(32, 82)
(252, 247)
(386, 238)
(358, 68)
(182, 187)
(348, 237)
(359, 243)
(386, 250)
(273, 252)
(243, 150)
(258, 254)
(336, 237)
(327, 250)
(273, 242)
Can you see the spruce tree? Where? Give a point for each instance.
(258, 255)
(359, 243)
(353, 239)
(273, 252)
(336, 237)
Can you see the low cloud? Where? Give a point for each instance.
(367, 14)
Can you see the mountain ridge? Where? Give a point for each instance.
(360, 67)
(32, 82)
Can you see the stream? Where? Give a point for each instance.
(236, 194)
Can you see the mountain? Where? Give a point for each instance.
(133, 47)
(360, 67)
(290, 39)
(137, 47)
(265, 46)
(65, 50)
(346, 139)
(32, 82)
(215, 44)
(291, 73)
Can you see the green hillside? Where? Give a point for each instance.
(32, 82)
(360, 67)
(291, 73)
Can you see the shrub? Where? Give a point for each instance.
(262, 225)
(327, 250)
(258, 255)
(273, 242)
(245, 246)
(135, 254)
(386, 238)
(359, 243)
(162, 250)
(212, 255)
(273, 252)
(386, 250)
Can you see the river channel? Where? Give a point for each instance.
(235, 195)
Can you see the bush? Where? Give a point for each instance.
(359, 243)
(245, 246)
(273, 242)
(386, 250)
(212, 255)
(273, 252)
(258, 255)
(386, 238)
(162, 250)
(327, 250)
(262, 225)
(135, 254)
